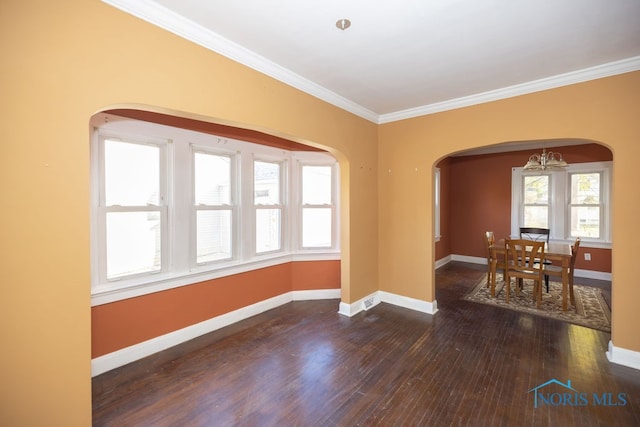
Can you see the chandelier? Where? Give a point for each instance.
(545, 161)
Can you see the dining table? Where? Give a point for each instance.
(553, 251)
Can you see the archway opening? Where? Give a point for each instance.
(477, 195)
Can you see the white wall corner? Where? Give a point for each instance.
(348, 310)
(623, 356)
(410, 303)
(443, 261)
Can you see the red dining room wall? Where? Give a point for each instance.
(478, 199)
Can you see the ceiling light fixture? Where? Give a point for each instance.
(343, 24)
(545, 161)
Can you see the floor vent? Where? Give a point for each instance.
(368, 303)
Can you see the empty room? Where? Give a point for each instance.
(294, 213)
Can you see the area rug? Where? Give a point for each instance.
(590, 310)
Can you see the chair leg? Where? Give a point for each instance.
(573, 301)
(539, 294)
(507, 286)
(546, 282)
(489, 276)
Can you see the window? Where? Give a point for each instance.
(267, 198)
(317, 206)
(536, 201)
(133, 214)
(586, 205)
(214, 214)
(172, 207)
(571, 203)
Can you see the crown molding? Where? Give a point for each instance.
(166, 19)
(592, 73)
(158, 15)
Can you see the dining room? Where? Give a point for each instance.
(492, 183)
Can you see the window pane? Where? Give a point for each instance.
(536, 216)
(212, 179)
(266, 183)
(316, 185)
(133, 243)
(213, 235)
(267, 230)
(536, 190)
(585, 189)
(132, 174)
(316, 227)
(585, 221)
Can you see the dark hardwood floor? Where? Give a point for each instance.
(303, 364)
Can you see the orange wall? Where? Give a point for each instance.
(602, 110)
(131, 321)
(64, 61)
(482, 184)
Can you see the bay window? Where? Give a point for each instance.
(171, 207)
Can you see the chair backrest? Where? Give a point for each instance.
(491, 239)
(574, 252)
(534, 233)
(524, 253)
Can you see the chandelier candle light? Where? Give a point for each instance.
(545, 161)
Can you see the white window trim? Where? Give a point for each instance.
(313, 159)
(232, 206)
(282, 162)
(559, 205)
(179, 268)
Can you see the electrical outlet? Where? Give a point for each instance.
(587, 256)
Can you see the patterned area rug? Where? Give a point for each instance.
(591, 309)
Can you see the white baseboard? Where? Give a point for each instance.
(588, 274)
(469, 259)
(377, 297)
(443, 261)
(138, 351)
(315, 294)
(362, 304)
(622, 356)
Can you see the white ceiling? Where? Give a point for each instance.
(405, 58)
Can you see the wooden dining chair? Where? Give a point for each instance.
(538, 234)
(500, 264)
(521, 257)
(556, 271)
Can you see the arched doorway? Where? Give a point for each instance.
(476, 196)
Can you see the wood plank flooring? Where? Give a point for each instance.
(303, 364)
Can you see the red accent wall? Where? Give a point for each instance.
(478, 190)
(131, 321)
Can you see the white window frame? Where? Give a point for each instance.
(102, 210)
(303, 159)
(232, 206)
(179, 266)
(280, 206)
(559, 208)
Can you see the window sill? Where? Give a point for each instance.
(116, 291)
